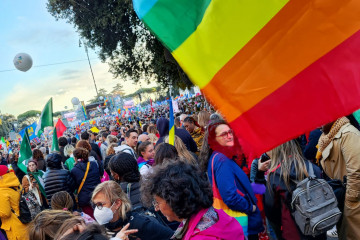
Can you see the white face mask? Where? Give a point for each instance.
(104, 215)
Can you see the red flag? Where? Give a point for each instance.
(60, 128)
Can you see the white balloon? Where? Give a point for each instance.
(101, 98)
(75, 101)
(23, 62)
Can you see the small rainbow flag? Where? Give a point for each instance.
(84, 109)
(275, 68)
(171, 124)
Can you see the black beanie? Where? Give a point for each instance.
(125, 165)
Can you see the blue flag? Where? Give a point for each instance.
(31, 131)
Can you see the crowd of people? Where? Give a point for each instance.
(129, 182)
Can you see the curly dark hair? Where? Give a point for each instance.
(81, 153)
(62, 141)
(37, 154)
(125, 165)
(183, 186)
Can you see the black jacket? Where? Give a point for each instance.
(63, 157)
(96, 149)
(91, 181)
(57, 179)
(132, 190)
(41, 164)
(163, 127)
(277, 201)
(149, 227)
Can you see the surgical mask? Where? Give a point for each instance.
(104, 215)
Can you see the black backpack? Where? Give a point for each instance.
(28, 207)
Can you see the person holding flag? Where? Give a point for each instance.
(33, 180)
(33, 184)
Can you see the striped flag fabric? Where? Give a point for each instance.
(275, 69)
(171, 124)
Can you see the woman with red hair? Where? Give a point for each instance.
(221, 157)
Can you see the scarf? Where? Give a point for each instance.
(38, 177)
(181, 230)
(325, 139)
(141, 161)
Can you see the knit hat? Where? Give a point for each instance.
(3, 170)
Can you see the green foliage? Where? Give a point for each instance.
(130, 49)
(101, 93)
(7, 123)
(118, 90)
(57, 114)
(28, 117)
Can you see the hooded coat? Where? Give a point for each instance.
(56, 178)
(342, 158)
(9, 199)
(162, 125)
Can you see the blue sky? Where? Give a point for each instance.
(27, 27)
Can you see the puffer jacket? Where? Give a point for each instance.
(132, 190)
(9, 199)
(57, 179)
(91, 181)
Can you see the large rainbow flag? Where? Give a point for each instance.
(274, 68)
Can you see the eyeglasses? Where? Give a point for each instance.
(155, 204)
(225, 134)
(98, 205)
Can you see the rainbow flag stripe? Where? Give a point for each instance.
(275, 68)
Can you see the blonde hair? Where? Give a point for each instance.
(68, 150)
(47, 223)
(110, 150)
(285, 156)
(111, 139)
(184, 154)
(152, 129)
(203, 118)
(153, 138)
(113, 192)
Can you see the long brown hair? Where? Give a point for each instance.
(37, 154)
(47, 223)
(184, 154)
(68, 224)
(283, 157)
